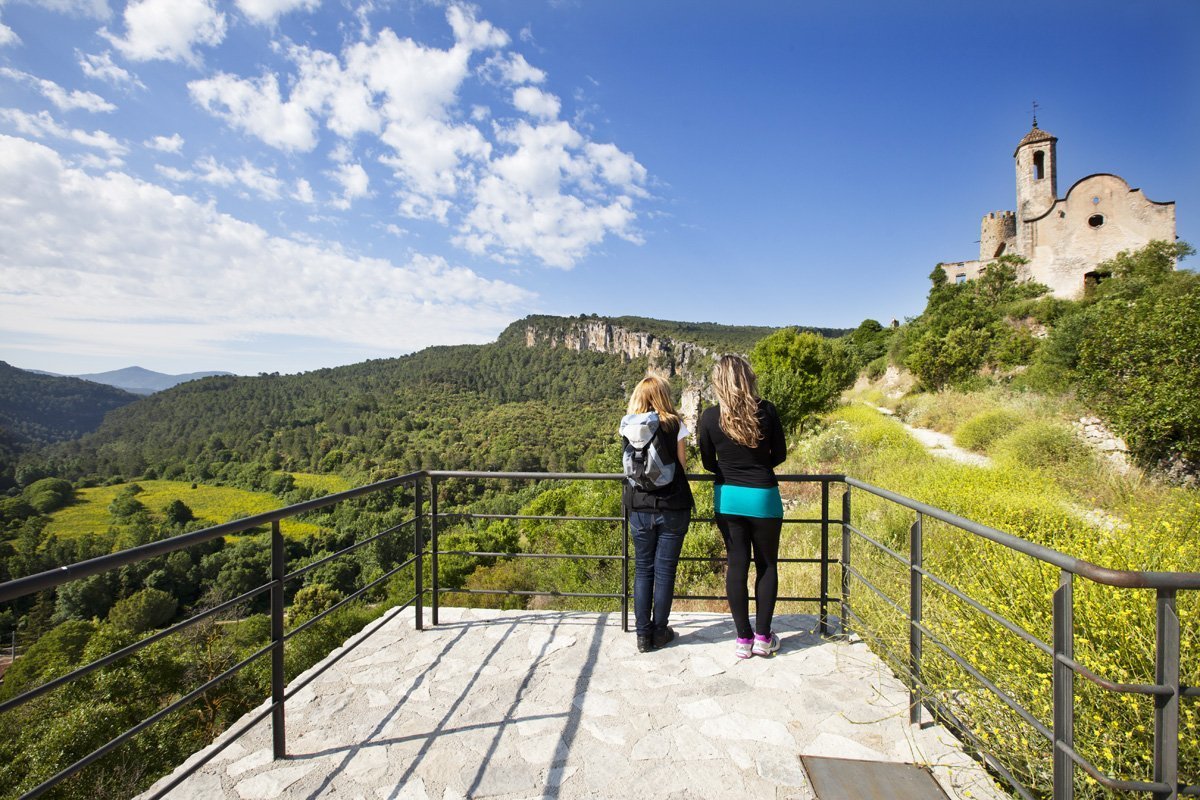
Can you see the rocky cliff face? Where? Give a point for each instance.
(690, 361)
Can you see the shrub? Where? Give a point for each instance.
(143, 611)
(801, 373)
(1043, 445)
(1140, 368)
(982, 430)
(49, 494)
(877, 367)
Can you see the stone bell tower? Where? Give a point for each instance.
(1037, 183)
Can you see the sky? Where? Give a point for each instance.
(284, 185)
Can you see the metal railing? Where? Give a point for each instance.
(1167, 690)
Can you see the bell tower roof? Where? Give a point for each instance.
(1035, 135)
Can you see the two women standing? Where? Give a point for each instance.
(741, 441)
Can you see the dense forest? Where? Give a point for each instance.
(36, 410)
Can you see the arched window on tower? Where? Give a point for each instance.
(1039, 165)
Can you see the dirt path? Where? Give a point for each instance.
(939, 444)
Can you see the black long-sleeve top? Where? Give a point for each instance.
(735, 463)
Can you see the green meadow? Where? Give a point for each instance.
(211, 504)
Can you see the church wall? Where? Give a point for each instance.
(1065, 246)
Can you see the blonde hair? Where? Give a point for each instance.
(737, 391)
(653, 393)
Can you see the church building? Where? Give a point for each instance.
(1064, 238)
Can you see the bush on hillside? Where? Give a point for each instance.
(143, 611)
(980, 431)
(48, 494)
(801, 373)
(1043, 445)
(1141, 369)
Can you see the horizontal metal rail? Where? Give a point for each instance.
(1123, 578)
(129, 650)
(1167, 690)
(1061, 736)
(56, 577)
(346, 550)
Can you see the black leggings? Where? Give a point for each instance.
(743, 535)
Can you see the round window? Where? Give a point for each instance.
(1096, 220)
(1095, 201)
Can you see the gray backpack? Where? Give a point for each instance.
(645, 466)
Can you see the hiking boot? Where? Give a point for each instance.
(645, 643)
(743, 648)
(663, 637)
(765, 645)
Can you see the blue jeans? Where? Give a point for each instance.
(657, 541)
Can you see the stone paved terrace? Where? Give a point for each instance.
(561, 705)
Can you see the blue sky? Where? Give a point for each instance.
(282, 185)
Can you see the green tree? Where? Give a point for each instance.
(1141, 364)
(964, 327)
(48, 494)
(143, 611)
(801, 373)
(178, 513)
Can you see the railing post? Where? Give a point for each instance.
(824, 558)
(916, 603)
(433, 548)
(1064, 686)
(418, 553)
(1166, 707)
(845, 598)
(278, 570)
(624, 569)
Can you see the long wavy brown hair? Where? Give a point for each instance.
(653, 393)
(736, 386)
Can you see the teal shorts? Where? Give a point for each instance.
(747, 501)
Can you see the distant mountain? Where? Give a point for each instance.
(144, 381)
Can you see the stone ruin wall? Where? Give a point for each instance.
(691, 362)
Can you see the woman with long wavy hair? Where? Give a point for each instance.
(741, 441)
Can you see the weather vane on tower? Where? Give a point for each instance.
(1035, 108)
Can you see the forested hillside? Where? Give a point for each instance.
(41, 409)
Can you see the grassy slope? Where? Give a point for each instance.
(212, 504)
(1144, 525)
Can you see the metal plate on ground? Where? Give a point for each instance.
(847, 779)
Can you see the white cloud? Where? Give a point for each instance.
(169, 29)
(511, 190)
(111, 265)
(536, 103)
(512, 69)
(257, 108)
(266, 12)
(93, 9)
(472, 33)
(101, 67)
(166, 144)
(207, 170)
(8, 35)
(63, 99)
(42, 125)
(553, 195)
(354, 182)
(303, 192)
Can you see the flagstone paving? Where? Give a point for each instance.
(521, 704)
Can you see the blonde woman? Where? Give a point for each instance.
(659, 502)
(741, 440)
